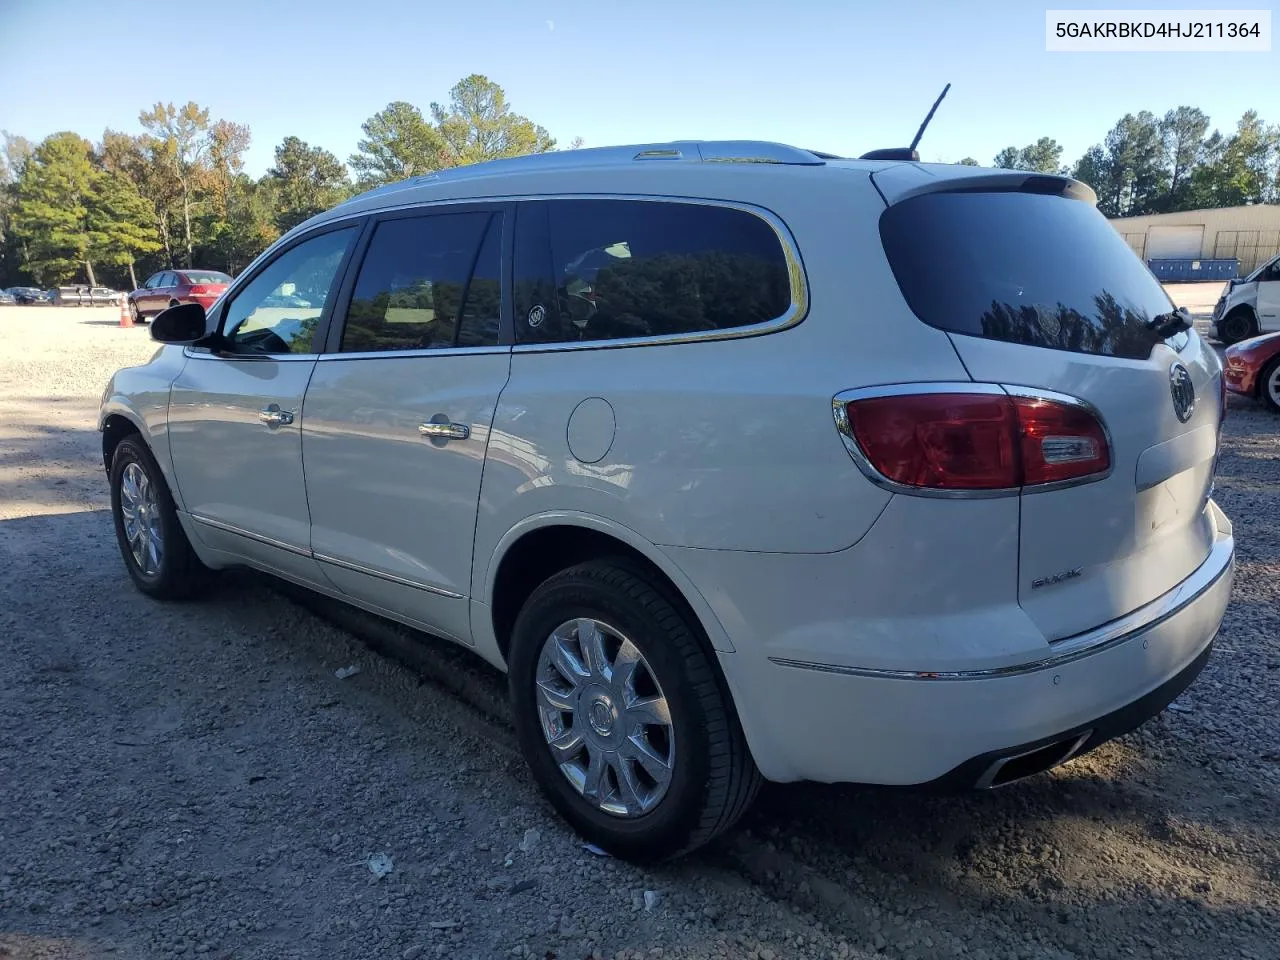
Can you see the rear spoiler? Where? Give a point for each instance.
(904, 180)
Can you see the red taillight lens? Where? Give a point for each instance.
(964, 441)
(954, 441)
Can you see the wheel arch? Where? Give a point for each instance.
(541, 546)
(116, 425)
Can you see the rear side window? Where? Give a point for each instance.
(204, 276)
(1025, 268)
(589, 270)
(429, 282)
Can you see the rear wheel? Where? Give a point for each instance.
(1269, 384)
(154, 546)
(1236, 326)
(621, 715)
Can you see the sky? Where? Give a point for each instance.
(843, 77)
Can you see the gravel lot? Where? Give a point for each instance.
(192, 780)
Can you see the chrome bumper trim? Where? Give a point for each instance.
(1219, 563)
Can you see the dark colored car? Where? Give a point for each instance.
(31, 295)
(1252, 368)
(170, 287)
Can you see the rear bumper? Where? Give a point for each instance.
(810, 721)
(997, 767)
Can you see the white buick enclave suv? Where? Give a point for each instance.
(742, 461)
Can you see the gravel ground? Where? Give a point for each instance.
(192, 780)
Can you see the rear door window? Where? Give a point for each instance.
(428, 282)
(590, 270)
(1034, 269)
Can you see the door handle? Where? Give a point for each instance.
(273, 416)
(444, 431)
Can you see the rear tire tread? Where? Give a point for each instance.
(732, 777)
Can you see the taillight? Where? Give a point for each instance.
(976, 441)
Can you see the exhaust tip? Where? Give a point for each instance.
(1019, 766)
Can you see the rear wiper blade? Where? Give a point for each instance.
(1173, 322)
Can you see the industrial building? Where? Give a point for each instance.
(1248, 234)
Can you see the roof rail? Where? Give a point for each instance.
(692, 151)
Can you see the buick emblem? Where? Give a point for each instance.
(1183, 391)
(537, 313)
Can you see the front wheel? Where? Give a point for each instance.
(622, 716)
(1236, 326)
(154, 546)
(133, 312)
(1269, 385)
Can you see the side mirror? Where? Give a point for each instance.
(184, 324)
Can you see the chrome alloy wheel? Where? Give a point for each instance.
(140, 511)
(1272, 385)
(604, 717)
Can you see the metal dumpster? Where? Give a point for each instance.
(1191, 271)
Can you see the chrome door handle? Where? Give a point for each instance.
(273, 416)
(444, 431)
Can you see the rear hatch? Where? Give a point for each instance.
(1038, 292)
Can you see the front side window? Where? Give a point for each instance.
(279, 310)
(154, 282)
(638, 268)
(429, 282)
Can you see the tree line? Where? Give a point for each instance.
(176, 194)
(1149, 164)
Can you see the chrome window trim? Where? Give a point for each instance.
(418, 352)
(1220, 563)
(193, 354)
(249, 534)
(845, 429)
(369, 571)
(793, 315)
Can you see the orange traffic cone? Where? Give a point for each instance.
(126, 320)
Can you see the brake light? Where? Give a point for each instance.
(968, 441)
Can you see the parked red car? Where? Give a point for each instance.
(1253, 368)
(169, 287)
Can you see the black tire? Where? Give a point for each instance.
(179, 573)
(714, 778)
(1236, 326)
(134, 315)
(1272, 369)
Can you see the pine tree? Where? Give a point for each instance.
(120, 220)
(52, 211)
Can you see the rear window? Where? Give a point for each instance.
(1025, 268)
(206, 276)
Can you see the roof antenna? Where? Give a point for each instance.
(907, 153)
(920, 132)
